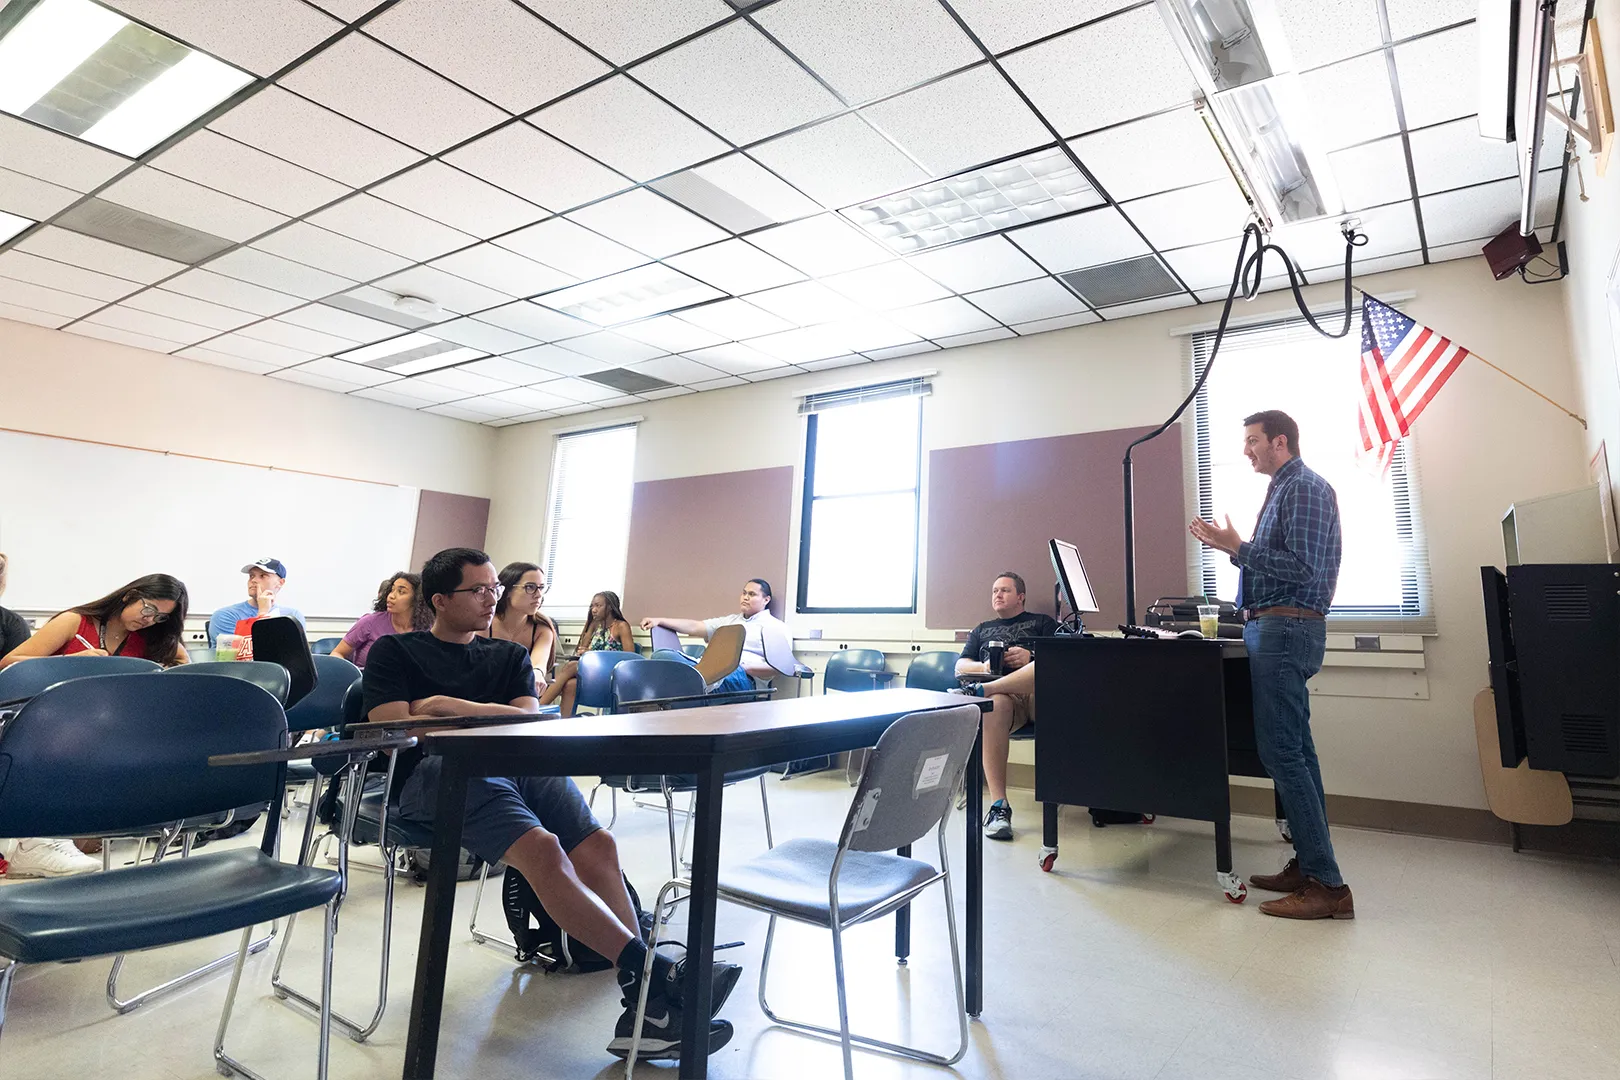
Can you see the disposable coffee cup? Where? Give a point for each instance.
(1209, 620)
(995, 651)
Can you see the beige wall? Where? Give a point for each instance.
(56, 383)
(1481, 444)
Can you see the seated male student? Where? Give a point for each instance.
(759, 627)
(1012, 697)
(265, 580)
(539, 824)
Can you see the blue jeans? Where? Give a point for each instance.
(736, 682)
(1283, 653)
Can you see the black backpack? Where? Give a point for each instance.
(541, 941)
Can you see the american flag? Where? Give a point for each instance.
(1403, 365)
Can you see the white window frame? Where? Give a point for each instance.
(565, 586)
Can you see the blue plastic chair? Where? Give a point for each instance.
(594, 688)
(105, 754)
(26, 678)
(324, 646)
(694, 651)
(854, 670)
(271, 678)
(933, 671)
(670, 654)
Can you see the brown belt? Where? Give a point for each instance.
(1285, 612)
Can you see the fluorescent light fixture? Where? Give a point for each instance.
(1024, 189)
(633, 294)
(1291, 178)
(86, 71)
(392, 347)
(412, 354)
(434, 361)
(1221, 40)
(11, 225)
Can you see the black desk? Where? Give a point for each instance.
(1145, 725)
(706, 742)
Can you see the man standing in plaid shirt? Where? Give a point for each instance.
(1288, 573)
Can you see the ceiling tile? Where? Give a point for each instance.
(805, 303)
(804, 344)
(1350, 102)
(1371, 175)
(735, 358)
(977, 264)
(669, 334)
(734, 318)
(1479, 213)
(626, 32)
(781, 371)
(1153, 154)
(1390, 230)
(502, 270)
(898, 351)
(158, 326)
(738, 193)
(821, 245)
(190, 309)
(231, 293)
(1061, 322)
(219, 359)
(419, 390)
(21, 266)
(389, 227)
(463, 380)
(871, 332)
(379, 303)
(123, 337)
(282, 275)
(677, 369)
(668, 392)
(347, 10)
(1094, 77)
(571, 248)
(39, 298)
(361, 79)
(1190, 216)
(530, 163)
(627, 128)
(1002, 24)
(448, 291)
(1321, 31)
(735, 266)
(554, 360)
(534, 400)
(309, 378)
(31, 197)
(820, 365)
(263, 351)
(262, 37)
(1439, 76)
(506, 371)
(344, 371)
(296, 337)
(305, 243)
(458, 199)
(481, 335)
(344, 324)
(1208, 266)
(738, 83)
(170, 197)
(303, 132)
(648, 223)
(457, 412)
(887, 285)
(536, 322)
(975, 338)
(1453, 155)
(215, 161)
(388, 397)
(961, 121)
(492, 47)
(866, 50)
(578, 390)
(1408, 17)
(1080, 240)
(839, 162)
(943, 318)
(70, 163)
(1146, 307)
(612, 347)
(1042, 298)
(92, 254)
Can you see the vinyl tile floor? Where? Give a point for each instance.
(1465, 962)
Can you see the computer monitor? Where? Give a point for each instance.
(1071, 575)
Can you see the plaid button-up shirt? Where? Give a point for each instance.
(1293, 560)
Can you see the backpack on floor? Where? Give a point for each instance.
(541, 941)
(1101, 818)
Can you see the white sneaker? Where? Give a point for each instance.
(39, 857)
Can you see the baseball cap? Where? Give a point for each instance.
(273, 565)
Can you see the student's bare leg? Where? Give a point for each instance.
(596, 861)
(570, 694)
(577, 907)
(558, 686)
(997, 727)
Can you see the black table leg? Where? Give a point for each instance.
(438, 907)
(975, 876)
(1049, 825)
(1223, 846)
(902, 921)
(700, 923)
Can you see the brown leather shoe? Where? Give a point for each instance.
(1313, 900)
(1287, 879)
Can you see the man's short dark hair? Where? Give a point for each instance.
(442, 573)
(764, 586)
(1017, 579)
(1275, 422)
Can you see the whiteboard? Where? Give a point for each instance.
(78, 520)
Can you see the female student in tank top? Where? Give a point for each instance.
(144, 618)
(518, 618)
(605, 628)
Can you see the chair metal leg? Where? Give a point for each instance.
(645, 983)
(227, 1065)
(5, 990)
(843, 1000)
(492, 940)
(765, 810)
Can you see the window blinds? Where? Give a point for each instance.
(588, 516)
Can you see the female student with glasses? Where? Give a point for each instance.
(144, 618)
(518, 617)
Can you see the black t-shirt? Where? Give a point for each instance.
(1019, 630)
(406, 667)
(13, 630)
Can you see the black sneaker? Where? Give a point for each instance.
(721, 983)
(660, 1030)
(970, 690)
(998, 821)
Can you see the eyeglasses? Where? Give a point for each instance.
(150, 612)
(535, 590)
(492, 591)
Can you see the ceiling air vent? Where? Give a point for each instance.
(1142, 278)
(376, 311)
(143, 232)
(626, 381)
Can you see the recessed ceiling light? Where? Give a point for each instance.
(85, 71)
(11, 225)
(1024, 189)
(633, 294)
(411, 354)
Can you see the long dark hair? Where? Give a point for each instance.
(612, 612)
(421, 610)
(162, 639)
(510, 575)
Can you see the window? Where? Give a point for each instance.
(1384, 576)
(588, 518)
(862, 469)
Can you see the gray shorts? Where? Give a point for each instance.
(502, 808)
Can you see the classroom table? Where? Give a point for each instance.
(705, 742)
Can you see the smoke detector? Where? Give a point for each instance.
(419, 306)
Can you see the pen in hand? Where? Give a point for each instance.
(80, 639)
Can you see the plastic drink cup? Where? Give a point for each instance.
(1209, 620)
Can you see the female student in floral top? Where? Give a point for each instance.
(605, 629)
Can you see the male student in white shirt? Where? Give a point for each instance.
(759, 627)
